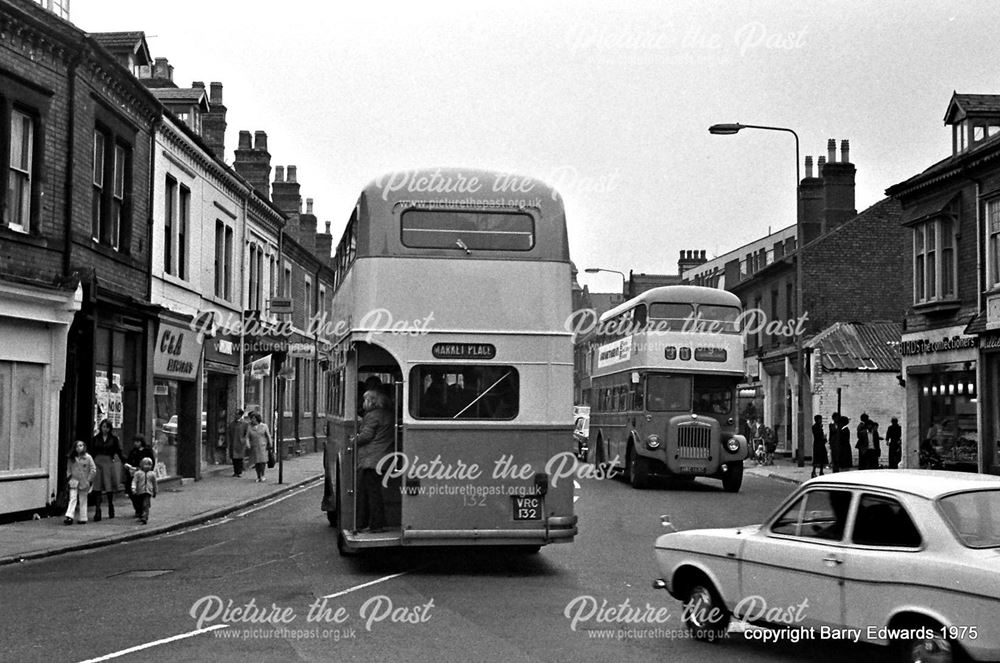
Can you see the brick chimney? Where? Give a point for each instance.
(324, 245)
(254, 163)
(689, 260)
(213, 123)
(159, 75)
(285, 195)
(307, 228)
(838, 186)
(811, 215)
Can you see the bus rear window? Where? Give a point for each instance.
(452, 391)
(727, 317)
(459, 229)
(669, 317)
(665, 393)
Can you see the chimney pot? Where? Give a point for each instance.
(819, 168)
(279, 173)
(809, 166)
(260, 141)
(291, 174)
(703, 255)
(831, 151)
(215, 94)
(244, 140)
(845, 151)
(309, 205)
(327, 227)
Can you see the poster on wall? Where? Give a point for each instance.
(100, 399)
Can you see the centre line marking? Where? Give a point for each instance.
(155, 643)
(367, 584)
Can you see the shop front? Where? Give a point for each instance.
(34, 323)
(989, 358)
(941, 428)
(178, 424)
(220, 395)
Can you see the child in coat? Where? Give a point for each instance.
(144, 488)
(80, 471)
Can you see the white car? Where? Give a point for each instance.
(908, 558)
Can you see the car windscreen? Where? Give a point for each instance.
(974, 517)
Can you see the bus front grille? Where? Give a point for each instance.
(694, 442)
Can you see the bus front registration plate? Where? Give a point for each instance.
(692, 470)
(527, 507)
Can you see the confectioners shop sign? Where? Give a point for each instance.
(926, 346)
(177, 352)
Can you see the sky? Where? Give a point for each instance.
(608, 102)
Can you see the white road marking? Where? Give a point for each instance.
(367, 584)
(275, 501)
(576, 487)
(155, 643)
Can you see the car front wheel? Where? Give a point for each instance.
(704, 614)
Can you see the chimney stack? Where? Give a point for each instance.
(213, 123)
(838, 188)
(307, 228)
(324, 246)
(254, 163)
(810, 210)
(689, 260)
(286, 197)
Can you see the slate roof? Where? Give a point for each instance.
(132, 42)
(859, 346)
(973, 104)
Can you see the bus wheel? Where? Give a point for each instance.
(331, 517)
(637, 468)
(732, 479)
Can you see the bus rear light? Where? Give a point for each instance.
(653, 441)
(732, 445)
(541, 483)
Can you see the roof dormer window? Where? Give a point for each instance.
(973, 118)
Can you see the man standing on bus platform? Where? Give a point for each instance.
(373, 442)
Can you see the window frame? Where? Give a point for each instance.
(24, 173)
(931, 244)
(223, 271)
(992, 206)
(112, 183)
(883, 497)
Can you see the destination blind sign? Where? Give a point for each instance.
(464, 351)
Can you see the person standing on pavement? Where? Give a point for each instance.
(237, 434)
(819, 446)
(834, 431)
(144, 488)
(844, 435)
(139, 451)
(261, 444)
(374, 441)
(106, 449)
(80, 471)
(875, 442)
(862, 444)
(894, 438)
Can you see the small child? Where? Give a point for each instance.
(144, 488)
(140, 450)
(80, 470)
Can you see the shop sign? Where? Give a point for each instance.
(993, 312)
(301, 351)
(991, 343)
(177, 352)
(922, 346)
(280, 305)
(260, 368)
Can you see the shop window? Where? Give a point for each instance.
(21, 389)
(948, 431)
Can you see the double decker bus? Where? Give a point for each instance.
(665, 370)
(455, 292)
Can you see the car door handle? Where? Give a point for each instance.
(832, 561)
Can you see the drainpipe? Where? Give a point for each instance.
(240, 382)
(68, 179)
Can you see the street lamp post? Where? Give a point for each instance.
(729, 129)
(595, 270)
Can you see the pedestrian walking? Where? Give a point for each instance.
(844, 438)
(834, 430)
(875, 442)
(140, 450)
(237, 439)
(80, 470)
(770, 445)
(106, 449)
(261, 444)
(373, 442)
(144, 488)
(894, 439)
(819, 446)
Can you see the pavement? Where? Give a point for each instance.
(178, 504)
(783, 469)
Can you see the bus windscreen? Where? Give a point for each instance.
(467, 230)
(667, 393)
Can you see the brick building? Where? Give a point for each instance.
(851, 268)
(76, 134)
(951, 214)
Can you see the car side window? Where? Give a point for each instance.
(882, 521)
(819, 514)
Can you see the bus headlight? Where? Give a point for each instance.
(653, 442)
(733, 445)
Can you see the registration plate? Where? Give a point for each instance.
(692, 470)
(527, 507)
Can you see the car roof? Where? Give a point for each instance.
(925, 483)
